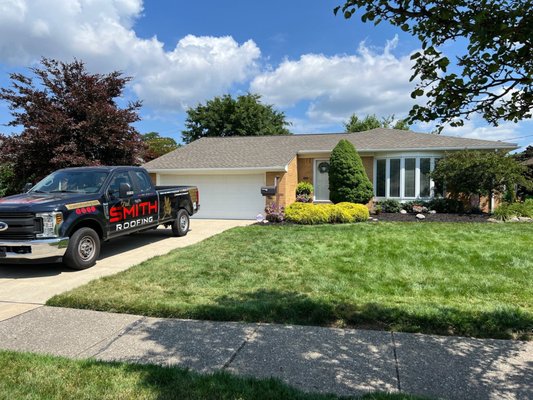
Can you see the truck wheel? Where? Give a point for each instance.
(180, 226)
(83, 249)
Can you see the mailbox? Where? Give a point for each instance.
(268, 190)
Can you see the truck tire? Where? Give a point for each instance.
(180, 226)
(83, 249)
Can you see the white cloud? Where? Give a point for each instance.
(100, 32)
(477, 128)
(337, 86)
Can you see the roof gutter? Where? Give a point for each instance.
(509, 146)
(199, 171)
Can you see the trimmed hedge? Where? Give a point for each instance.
(313, 214)
(357, 212)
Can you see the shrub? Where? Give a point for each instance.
(408, 205)
(274, 213)
(304, 188)
(307, 214)
(356, 212)
(390, 206)
(507, 211)
(311, 214)
(348, 181)
(446, 205)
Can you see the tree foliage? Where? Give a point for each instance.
(525, 155)
(348, 181)
(492, 76)
(478, 172)
(371, 121)
(225, 116)
(69, 117)
(521, 157)
(156, 145)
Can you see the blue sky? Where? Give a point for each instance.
(315, 67)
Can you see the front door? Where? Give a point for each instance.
(321, 180)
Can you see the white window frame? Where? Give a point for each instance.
(402, 157)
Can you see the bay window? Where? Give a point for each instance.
(404, 177)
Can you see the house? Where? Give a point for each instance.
(230, 171)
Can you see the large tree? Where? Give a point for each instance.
(492, 76)
(226, 116)
(69, 117)
(479, 173)
(371, 121)
(157, 145)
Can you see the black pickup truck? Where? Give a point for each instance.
(69, 213)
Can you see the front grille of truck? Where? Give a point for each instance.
(21, 226)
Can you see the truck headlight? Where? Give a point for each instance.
(51, 223)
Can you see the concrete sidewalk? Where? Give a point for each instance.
(342, 361)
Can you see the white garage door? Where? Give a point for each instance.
(224, 196)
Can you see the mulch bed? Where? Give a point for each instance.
(397, 217)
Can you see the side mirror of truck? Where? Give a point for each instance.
(125, 190)
(27, 187)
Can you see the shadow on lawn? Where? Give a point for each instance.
(297, 308)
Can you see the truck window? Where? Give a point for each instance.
(145, 185)
(71, 182)
(120, 177)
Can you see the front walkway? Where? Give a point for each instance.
(342, 361)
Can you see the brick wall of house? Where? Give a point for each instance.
(305, 169)
(286, 184)
(291, 182)
(368, 163)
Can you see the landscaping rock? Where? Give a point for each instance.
(525, 219)
(494, 220)
(514, 219)
(403, 212)
(432, 212)
(420, 216)
(418, 209)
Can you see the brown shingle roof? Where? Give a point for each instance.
(277, 151)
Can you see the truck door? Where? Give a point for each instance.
(120, 213)
(146, 197)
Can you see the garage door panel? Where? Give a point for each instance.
(224, 196)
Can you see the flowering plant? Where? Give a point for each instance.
(274, 213)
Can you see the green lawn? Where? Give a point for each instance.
(32, 377)
(445, 278)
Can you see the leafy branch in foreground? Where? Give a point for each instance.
(492, 76)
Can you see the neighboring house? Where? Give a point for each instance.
(229, 172)
(528, 163)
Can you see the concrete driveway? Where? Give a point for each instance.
(26, 287)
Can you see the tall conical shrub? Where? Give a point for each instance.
(347, 177)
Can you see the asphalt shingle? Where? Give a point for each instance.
(275, 152)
